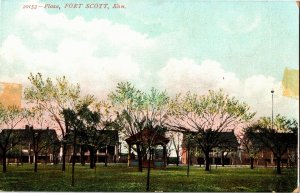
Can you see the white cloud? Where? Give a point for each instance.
(252, 25)
(240, 24)
(186, 75)
(257, 92)
(96, 53)
(98, 31)
(12, 49)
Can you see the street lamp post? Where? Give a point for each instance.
(272, 91)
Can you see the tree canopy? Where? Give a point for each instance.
(137, 111)
(10, 117)
(54, 97)
(206, 116)
(277, 136)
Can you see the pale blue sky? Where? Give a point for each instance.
(200, 30)
(245, 42)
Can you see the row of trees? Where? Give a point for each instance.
(61, 104)
(9, 118)
(205, 117)
(10, 136)
(276, 135)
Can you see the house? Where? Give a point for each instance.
(225, 153)
(28, 142)
(287, 142)
(45, 144)
(107, 148)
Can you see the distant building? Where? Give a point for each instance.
(226, 152)
(108, 149)
(48, 146)
(265, 156)
(44, 140)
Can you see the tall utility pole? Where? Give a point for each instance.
(298, 162)
(272, 91)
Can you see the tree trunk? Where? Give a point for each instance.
(73, 159)
(29, 154)
(177, 158)
(46, 160)
(64, 157)
(222, 158)
(21, 158)
(105, 156)
(35, 161)
(82, 161)
(4, 169)
(139, 154)
(251, 162)
(165, 155)
(148, 173)
(95, 158)
(207, 161)
(188, 161)
(92, 157)
(54, 158)
(278, 163)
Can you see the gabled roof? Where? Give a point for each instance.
(228, 140)
(110, 137)
(221, 139)
(107, 137)
(25, 135)
(144, 135)
(290, 139)
(97, 136)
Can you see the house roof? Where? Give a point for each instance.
(110, 137)
(99, 137)
(221, 139)
(25, 135)
(228, 140)
(290, 139)
(144, 135)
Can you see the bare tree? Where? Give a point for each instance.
(128, 103)
(53, 96)
(79, 120)
(176, 138)
(38, 131)
(140, 113)
(207, 116)
(93, 137)
(10, 117)
(276, 136)
(247, 145)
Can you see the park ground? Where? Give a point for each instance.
(120, 178)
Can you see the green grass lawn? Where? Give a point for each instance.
(121, 178)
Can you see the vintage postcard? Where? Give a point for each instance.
(149, 95)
